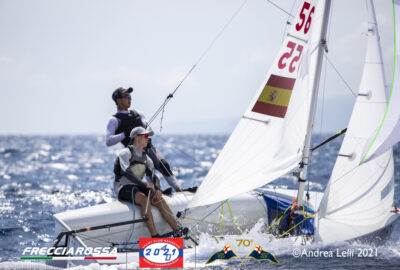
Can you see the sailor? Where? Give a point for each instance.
(131, 185)
(120, 125)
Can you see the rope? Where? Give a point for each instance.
(275, 5)
(233, 218)
(99, 241)
(181, 151)
(278, 219)
(288, 23)
(294, 208)
(221, 219)
(201, 220)
(133, 212)
(171, 95)
(310, 216)
(168, 211)
(340, 76)
(222, 215)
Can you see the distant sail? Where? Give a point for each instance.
(358, 199)
(269, 139)
(388, 133)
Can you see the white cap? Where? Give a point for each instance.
(140, 131)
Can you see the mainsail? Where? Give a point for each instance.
(388, 133)
(358, 199)
(268, 141)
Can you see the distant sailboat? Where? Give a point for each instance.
(272, 139)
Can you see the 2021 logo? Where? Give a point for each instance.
(161, 252)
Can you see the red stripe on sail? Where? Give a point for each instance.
(270, 109)
(281, 82)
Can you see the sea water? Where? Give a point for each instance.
(43, 175)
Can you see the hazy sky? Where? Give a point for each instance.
(61, 60)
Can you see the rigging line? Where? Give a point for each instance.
(340, 76)
(296, 225)
(169, 211)
(275, 5)
(93, 238)
(133, 213)
(162, 118)
(288, 23)
(222, 215)
(233, 217)
(180, 151)
(308, 180)
(168, 98)
(320, 128)
(165, 168)
(201, 220)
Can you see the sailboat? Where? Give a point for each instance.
(273, 138)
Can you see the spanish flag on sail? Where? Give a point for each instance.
(225, 254)
(261, 255)
(275, 97)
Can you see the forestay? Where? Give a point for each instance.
(358, 199)
(269, 139)
(388, 133)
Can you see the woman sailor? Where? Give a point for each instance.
(130, 185)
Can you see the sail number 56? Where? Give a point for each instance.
(303, 22)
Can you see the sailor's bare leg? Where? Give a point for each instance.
(165, 211)
(141, 199)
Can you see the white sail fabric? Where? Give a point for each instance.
(389, 132)
(358, 199)
(269, 139)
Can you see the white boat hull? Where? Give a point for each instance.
(243, 212)
(247, 209)
(240, 213)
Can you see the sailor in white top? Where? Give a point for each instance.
(130, 185)
(120, 125)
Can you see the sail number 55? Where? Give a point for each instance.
(288, 55)
(303, 22)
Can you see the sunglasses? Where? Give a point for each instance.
(127, 96)
(145, 136)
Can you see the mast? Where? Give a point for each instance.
(302, 176)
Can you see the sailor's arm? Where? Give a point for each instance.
(173, 183)
(111, 137)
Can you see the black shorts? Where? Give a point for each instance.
(125, 193)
